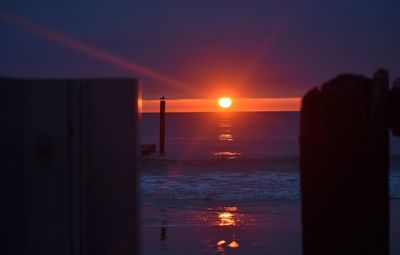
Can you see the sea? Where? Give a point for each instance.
(229, 183)
(207, 154)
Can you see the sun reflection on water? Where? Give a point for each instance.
(225, 137)
(227, 154)
(225, 130)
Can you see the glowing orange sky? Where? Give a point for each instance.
(211, 105)
(207, 48)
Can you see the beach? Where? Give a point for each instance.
(224, 187)
(221, 228)
(188, 209)
(257, 228)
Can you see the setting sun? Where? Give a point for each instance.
(225, 102)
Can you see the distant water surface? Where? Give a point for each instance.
(256, 154)
(225, 134)
(229, 135)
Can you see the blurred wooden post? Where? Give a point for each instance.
(69, 166)
(162, 125)
(395, 107)
(344, 145)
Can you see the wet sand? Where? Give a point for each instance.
(210, 227)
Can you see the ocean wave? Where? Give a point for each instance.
(394, 185)
(232, 162)
(223, 186)
(229, 162)
(226, 186)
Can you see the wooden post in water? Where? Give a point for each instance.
(344, 145)
(162, 125)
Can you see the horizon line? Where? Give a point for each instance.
(262, 104)
(233, 112)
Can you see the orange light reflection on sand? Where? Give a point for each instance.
(220, 245)
(222, 242)
(227, 217)
(231, 208)
(234, 244)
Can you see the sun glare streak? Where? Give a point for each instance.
(270, 39)
(91, 51)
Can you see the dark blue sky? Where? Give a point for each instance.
(250, 48)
